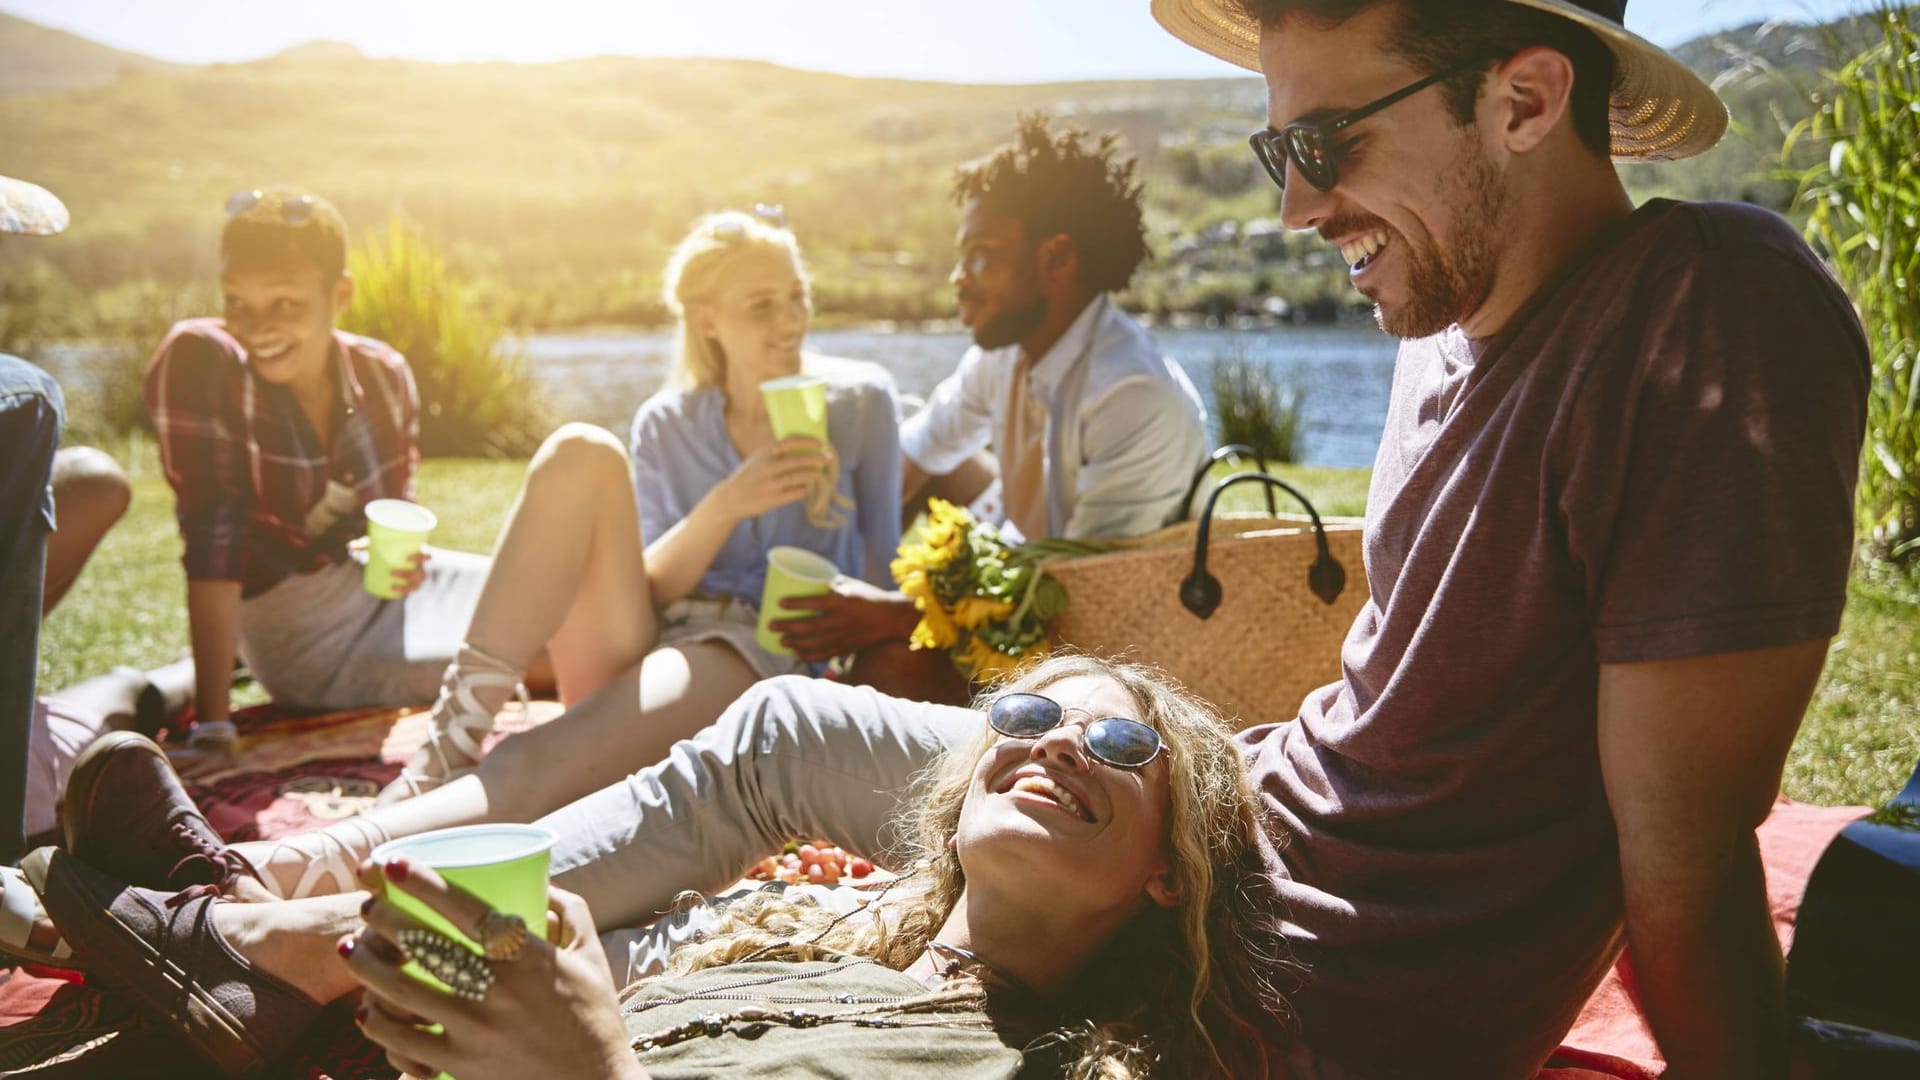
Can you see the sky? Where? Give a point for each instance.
(969, 41)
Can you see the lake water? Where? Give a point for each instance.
(1344, 372)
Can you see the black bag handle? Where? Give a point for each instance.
(1200, 592)
(1180, 511)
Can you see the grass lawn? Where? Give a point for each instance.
(1859, 742)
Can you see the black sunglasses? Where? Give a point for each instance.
(1310, 144)
(294, 212)
(1119, 742)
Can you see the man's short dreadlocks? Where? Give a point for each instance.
(1066, 183)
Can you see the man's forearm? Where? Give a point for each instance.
(1709, 969)
(213, 619)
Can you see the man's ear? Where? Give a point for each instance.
(1531, 92)
(1059, 258)
(343, 291)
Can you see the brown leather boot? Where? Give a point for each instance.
(127, 814)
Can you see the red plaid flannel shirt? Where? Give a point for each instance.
(249, 475)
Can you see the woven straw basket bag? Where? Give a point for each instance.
(1266, 631)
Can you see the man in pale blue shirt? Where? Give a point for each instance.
(1097, 434)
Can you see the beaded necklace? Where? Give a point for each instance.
(954, 1007)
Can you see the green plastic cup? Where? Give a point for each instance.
(791, 571)
(797, 405)
(504, 865)
(396, 529)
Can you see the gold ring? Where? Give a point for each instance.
(501, 936)
(464, 972)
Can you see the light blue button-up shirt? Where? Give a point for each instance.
(1125, 428)
(681, 449)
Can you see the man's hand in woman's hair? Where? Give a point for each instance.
(551, 1010)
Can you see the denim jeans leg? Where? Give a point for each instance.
(31, 412)
(794, 756)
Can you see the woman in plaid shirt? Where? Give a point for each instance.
(275, 429)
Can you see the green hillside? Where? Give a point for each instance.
(562, 185)
(37, 59)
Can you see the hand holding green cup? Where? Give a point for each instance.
(791, 571)
(396, 531)
(503, 865)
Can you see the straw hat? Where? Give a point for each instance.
(29, 209)
(1661, 110)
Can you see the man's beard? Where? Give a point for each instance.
(1446, 285)
(1012, 325)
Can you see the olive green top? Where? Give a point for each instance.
(841, 1050)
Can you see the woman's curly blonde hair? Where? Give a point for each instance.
(1183, 991)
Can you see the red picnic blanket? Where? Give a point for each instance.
(299, 772)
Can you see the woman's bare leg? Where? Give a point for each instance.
(568, 582)
(626, 725)
(569, 571)
(295, 940)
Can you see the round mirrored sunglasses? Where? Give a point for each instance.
(1113, 740)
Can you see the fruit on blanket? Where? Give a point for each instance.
(816, 861)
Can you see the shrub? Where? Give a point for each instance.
(107, 340)
(35, 299)
(477, 398)
(1863, 210)
(129, 322)
(1255, 411)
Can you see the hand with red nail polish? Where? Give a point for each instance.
(560, 992)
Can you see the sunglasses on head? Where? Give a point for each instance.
(294, 212)
(1312, 145)
(1117, 741)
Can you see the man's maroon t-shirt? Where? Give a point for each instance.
(1655, 459)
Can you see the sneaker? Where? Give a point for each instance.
(163, 953)
(127, 815)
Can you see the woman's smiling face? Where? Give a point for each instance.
(759, 316)
(1044, 816)
(282, 312)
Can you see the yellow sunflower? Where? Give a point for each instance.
(973, 612)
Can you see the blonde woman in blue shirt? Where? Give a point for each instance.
(635, 580)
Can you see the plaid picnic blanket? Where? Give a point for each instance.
(294, 772)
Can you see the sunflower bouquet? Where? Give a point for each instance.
(982, 600)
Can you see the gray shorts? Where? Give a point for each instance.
(729, 620)
(321, 641)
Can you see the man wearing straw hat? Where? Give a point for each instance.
(1607, 542)
(1607, 537)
